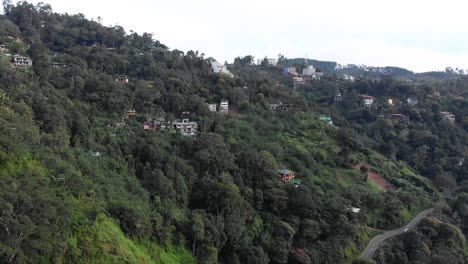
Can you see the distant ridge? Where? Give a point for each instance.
(331, 67)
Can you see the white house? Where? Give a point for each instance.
(368, 100)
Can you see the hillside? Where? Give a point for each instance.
(109, 153)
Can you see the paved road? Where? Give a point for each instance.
(376, 241)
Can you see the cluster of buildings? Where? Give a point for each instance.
(223, 107)
(368, 101)
(184, 126)
(220, 69)
(308, 73)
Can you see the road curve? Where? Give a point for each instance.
(376, 241)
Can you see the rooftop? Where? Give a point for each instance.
(284, 171)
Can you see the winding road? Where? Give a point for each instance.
(376, 241)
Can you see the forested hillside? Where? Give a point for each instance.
(94, 166)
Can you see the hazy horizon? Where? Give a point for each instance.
(419, 37)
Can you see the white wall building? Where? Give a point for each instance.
(224, 106)
(368, 100)
(309, 71)
(19, 61)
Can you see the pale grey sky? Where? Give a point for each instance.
(415, 34)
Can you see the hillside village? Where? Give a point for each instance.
(118, 149)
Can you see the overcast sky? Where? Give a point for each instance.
(415, 34)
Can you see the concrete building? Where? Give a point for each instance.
(309, 71)
(224, 106)
(337, 98)
(22, 62)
